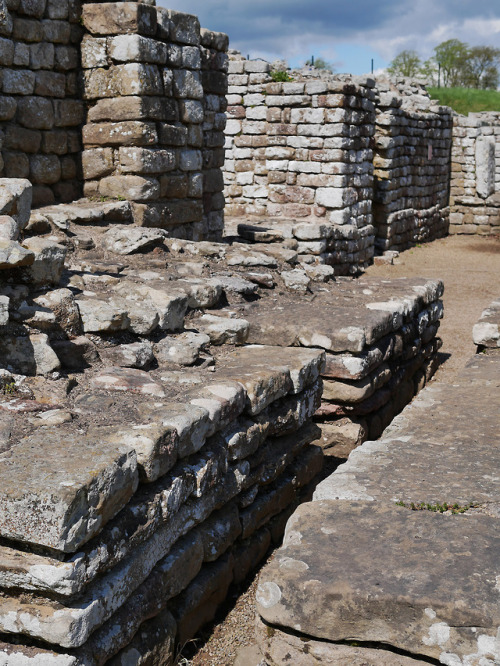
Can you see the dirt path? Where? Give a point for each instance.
(470, 269)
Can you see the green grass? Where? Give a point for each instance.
(467, 100)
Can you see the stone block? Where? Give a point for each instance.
(97, 162)
(136, 48)
(35, 113)
(15, 199)
(50, 84)
(146, 160)
(18, 81)
(187, 84)
(137, 79)
(135, 188)
(185, 28)
(128, 133)
(72, 473)
(117, 18)
(45, 169)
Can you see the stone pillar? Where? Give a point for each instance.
(144, 138)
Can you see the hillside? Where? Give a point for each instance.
(467, 100)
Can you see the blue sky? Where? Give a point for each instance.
(348, 33)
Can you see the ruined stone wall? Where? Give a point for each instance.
(40, 106)
(412, 167)
(475, 174)
(155, 87)
(302, 150)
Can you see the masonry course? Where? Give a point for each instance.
(170, 384)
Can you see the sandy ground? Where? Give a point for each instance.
(470, 269)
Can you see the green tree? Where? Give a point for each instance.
(452, 55)
(482, 67)
(406, 63)
(320, 63)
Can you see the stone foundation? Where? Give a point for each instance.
(165, 398)
(412, 580)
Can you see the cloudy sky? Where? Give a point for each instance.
(348, 33)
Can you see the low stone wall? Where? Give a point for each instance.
(41, 110)
(156, 419)
(475, 177)
(155, 86)
(408, 566)
(412, 167)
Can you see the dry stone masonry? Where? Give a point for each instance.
(169, 384)
(41, 110)
(156, 419)
(412, 167)
(302, 151)
(398, 553)
(475, 174)
(155, 87)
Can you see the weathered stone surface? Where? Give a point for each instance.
(201, 293)
(78, 487)
(15, 199)
(100, 316)
(281, 649)
(30, 355)
(221, 330)
(388, 580)
(127, 240)
(110, 18)
(333, 324)
(134, 355)
(377, 602)
(183, 349)
(487, 330)
(169, 303)
(12, 254)
(127, 379)
(48, 263)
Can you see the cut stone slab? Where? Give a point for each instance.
(102, 316)
(78, 487)
(358, 390)
(127, 379)
(222, 330)
(449, 441)
(337, 321)
(127, 240)
(269, 373)
(357, 564)
(389, 580)
(487, 330)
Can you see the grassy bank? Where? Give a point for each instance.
(467, 100)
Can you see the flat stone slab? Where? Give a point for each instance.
(58, 490)
(453, 428)
(400, 546)
(486, 332)
(422, 582)
(349, 317)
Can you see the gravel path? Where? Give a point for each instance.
(470, 268)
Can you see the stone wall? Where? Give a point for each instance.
(412, 166)
(155, 87)
(475, 174)
(302, 150)
(306, 150)
(41, 110)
